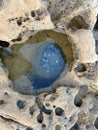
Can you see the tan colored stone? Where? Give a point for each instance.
(55, 17)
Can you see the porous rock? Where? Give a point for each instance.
(75, 20)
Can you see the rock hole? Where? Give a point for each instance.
(40, 117)
(18, 39)
(96, 64)
(96, 123)
(81, 68)
(4, 43)
(20, 104)
(78, 100)
(96, 24)
(47, 104)
(31, 110)
(75, 127)
(34, 72)
(29, 128)
(83, 90)
(96, 47)
(95, 34)
(33, 13)
(43, 126)
(78, 22)
(96, 94)
(6, 93)
(54, 106)
(2, 102)
(19, 22)
(57, 127)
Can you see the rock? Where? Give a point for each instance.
(72, 25)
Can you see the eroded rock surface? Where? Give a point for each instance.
(72, 25)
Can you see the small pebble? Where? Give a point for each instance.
(20, 104)
(59, 111)
(40, 117)
(1, 102)
(78, 100)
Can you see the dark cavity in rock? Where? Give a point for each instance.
(43, 126)
(57, 127)
(29, 128)
(42, 107)
(96, 123)
(19, 22)
(75, 127)
(20, 104)
(81, 68)
(40, 117)
(83, 90)
(1, 102)
(4, 43)
(18, 39)
(59, 111)
(96, 24)
(78, 22)
(97, 46)
(78, 100)
(31, 110)
(33, 13)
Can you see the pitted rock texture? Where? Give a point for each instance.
(63, 11)
(31, 15)
(25, 22)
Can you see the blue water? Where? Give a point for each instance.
(48, 65)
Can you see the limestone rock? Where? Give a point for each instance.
(73, 26)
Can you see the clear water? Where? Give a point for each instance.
(48, 63)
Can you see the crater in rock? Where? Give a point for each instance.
(95, 34)
(39, 63)
(78, 22)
